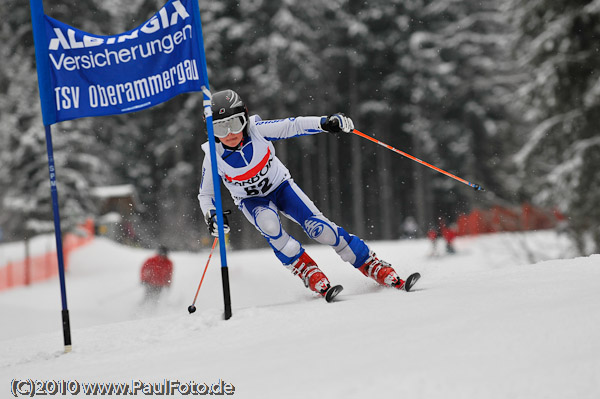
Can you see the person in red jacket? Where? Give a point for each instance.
(449, 235)
(156, 273)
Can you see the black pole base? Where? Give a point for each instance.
(66, 330)
(226, 296)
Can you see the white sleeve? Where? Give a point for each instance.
(278, 129)
(207, 191)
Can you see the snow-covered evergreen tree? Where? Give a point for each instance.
(560, 156)
(24, 168)
(432, 77)
(462, 78)
(24, 176)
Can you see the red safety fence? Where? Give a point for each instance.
(42, 267)
(500, 218)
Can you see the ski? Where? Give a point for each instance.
(411, 281)
(332, 292)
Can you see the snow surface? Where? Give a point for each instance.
(483, 323)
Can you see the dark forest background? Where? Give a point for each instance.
(503, 93)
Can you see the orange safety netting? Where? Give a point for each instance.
(42, 267)
(500, 218)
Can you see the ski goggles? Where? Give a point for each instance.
(232, 124)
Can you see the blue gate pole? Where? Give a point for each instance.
(58, 236)
(213, 160)
(219, 211)
(49, 117)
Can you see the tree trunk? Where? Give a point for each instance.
(335, 188)
(387, 221)
(358, 203)
(423, 200)
(323, 178)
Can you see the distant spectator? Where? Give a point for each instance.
(157, 273)
(432, 235)
(449, 235)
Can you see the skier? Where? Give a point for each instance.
(261, 186)
(432, 235)
(449, 235)
(156, 274)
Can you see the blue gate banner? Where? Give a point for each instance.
(82, 74)
(92, 75)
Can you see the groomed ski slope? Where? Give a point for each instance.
(482, 323)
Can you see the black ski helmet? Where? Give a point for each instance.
(227, 103)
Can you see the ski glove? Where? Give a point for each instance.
(337, 123)
(211, 221)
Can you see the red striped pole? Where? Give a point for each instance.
(477, 187)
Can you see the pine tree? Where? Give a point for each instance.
(558, 160)
(428, 77)
(460, 99)
(24, 173)
(26, 199)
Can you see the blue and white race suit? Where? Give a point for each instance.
(261, 186)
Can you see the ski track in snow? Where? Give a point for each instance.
(483, 323)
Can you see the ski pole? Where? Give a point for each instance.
(477, 187)
(192, 308)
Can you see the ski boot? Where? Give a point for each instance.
(382, 272)
(313, 278)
